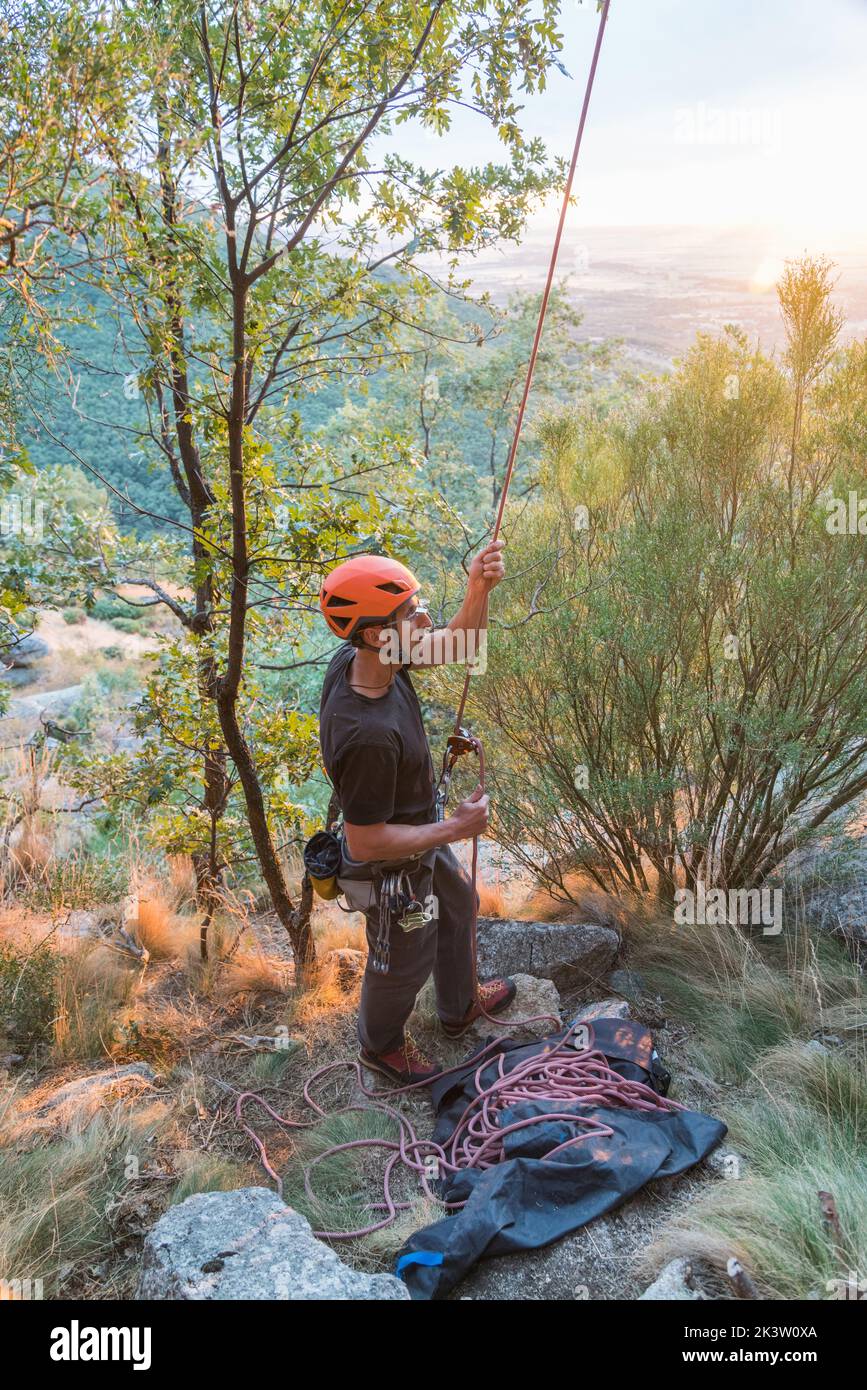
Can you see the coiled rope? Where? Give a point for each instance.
(558, 1073)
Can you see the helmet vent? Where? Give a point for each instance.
(335, 601)
(392, 588)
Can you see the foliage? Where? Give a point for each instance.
(28, 991)
(679, 676)
(259, 238)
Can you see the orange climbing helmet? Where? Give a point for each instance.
(364, 590)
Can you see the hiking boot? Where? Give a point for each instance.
(405, 1065)
(495, 995)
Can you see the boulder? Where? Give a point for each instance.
(727, 1162)
(248, 1244)
(534, 999)
(346, 965)
(16, 676)
(97, 1088)
(605, 1008)
(26, 652)
(627, 982)
(571, 954)
(674, 1282)
(827, 883)
(840, 910)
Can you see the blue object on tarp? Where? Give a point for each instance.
(419, 1257)
(523, 1202)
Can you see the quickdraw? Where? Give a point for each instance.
(398, 907)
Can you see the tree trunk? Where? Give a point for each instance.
(296, 921)
(227, 686)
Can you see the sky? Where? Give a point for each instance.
(709, 113)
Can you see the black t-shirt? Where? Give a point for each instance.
(375, 750)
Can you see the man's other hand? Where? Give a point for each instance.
(470, 817)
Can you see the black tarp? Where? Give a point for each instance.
(523, 1202)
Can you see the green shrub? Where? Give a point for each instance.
(28, 991)
(74, 615)
(109, 608)
(690, 691)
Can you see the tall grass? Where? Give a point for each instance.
(797, 1112)
(59, 1200)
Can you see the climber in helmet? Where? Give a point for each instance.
(394, 849)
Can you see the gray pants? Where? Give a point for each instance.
(443, 946)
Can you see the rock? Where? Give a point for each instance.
(839, 910)
(827, 883)
(569, 953)
(82, 921)
(628, 982)
(247, 1244)
(16, 676)
(54, 702)
(606, 1008)
(25, 652)
(674, 1282)
(534, 997)
(727, 1162)
(97, 1088)
(347, 966)
(817, 1047)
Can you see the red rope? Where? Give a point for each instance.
(528, 381)
(558, 1073)
(543, 309)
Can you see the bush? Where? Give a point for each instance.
(679, 673)
(107, 609)
(74, 615)
(28, 991)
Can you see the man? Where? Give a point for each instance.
(376, 753)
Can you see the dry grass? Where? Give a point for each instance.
(797, 1113)
(492, 899)
(94, 983)
(587, 903)
(156, 925)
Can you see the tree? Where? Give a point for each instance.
(264, 237)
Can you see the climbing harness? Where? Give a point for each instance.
(582, 1074)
